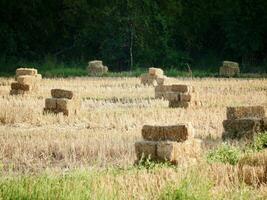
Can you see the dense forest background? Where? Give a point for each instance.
(135, 33)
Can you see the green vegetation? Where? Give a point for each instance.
(260, 142)
(120, 184)
(192, 187)
(224, 154)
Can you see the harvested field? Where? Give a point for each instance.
(103, 133)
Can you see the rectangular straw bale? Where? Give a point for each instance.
(172, 96)
(181, 88)
(59, 93)
(63, 104)
(146, 149)
(179, 132)
(241, 128)
(155, 71)
(245, 112)
(175, 96)
(51, 103)
(26, 71)
(185, 97)
(242, 124)
(26, 79)
(175, 151)
(163, 88)
(17, 92)
(19, 86)
(230, 64)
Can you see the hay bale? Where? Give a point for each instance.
(230, 64)
(51, 103)
(146, 149)
(19, 86)
(154, 77)
(63, 104)
(27, 79)
(160, 79)
(59, 93)
(62, 101)
(161, 91)
(179, 132)
(245, 112)
(181, 88)
(172, 96)
(163, 88)
(229, 69)
(241, 128)
(152, 71)
(26, 71)
(96, 67)
(252, 168)
(185, 97)
(175, 152)
(95, 63)
(148, 80)
(17, 92)
(179, 104)
(181, 97)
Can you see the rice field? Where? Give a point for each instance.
(91, 155)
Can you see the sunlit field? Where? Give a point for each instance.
(91, 155)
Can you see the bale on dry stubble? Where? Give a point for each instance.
(229, 69)
(181, 88)
(241, 128)
(60, 93)
(96, 67)
(245, 112)
(146, 149)
(17, 92)
(26, 71)
(155, 71)
(179, 132)
(51, 103)
(176, 151)
(181, 97)
(27, 79)
(19, 86)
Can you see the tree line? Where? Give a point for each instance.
(135, 33)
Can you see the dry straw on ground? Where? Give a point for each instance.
(103, 133)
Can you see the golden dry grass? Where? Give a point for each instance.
(102, 134)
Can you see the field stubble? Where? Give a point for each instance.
(103, 133)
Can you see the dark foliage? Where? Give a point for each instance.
(134, 33)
